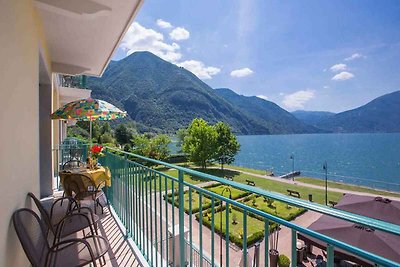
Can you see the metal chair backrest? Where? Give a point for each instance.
(80, 184)
(72, 164)
(43, 212)
(31, 232)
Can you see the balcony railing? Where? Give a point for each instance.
(70, 149)
(78, 81)
(168, 228)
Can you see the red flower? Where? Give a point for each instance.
(96, 149)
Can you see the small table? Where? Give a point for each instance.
(98, 175)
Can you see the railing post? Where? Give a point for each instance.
(330, 256)
(294, 248)
(181, 221)
(125, 178)
(106, 163)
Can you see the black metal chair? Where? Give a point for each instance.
(63, 221)
(82, 188)
(75, 252)
(72, 164)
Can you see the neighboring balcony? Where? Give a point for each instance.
(78, 81)
(169, 221)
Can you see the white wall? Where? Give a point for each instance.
(20, 37)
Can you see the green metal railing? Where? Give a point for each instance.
(70, 149)
(142, 197)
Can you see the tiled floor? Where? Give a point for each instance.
(120, 253)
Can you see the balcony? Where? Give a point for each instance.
(167, 221)
(78, 81)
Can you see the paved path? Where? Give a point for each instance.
(273, 178)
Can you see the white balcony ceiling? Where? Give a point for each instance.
(82, 35)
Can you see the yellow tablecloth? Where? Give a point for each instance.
(97, 175)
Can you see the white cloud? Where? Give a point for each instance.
(179, 34)
(326, 86)
(263, 97)
(344, 75)
(241, 72)
(164, 24)
(199, 69)
(338, 67)
(298, 99)
(139, 38)
(354, 56)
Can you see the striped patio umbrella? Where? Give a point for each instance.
(88, 110)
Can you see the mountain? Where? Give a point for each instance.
(267, 113)
(312, 117)
(160, 96)
(380, 115)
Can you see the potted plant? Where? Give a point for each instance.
(283, 261)
(270, 202)
(273, 251)
(96, 152)
(234, 219)
(254, 201)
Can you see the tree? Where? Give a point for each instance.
(123, 134)
(199, 143)
(226, 144)
(106, 128)
(181, 134)
(106, 138)
(152, 147)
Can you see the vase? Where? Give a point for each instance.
(94, 163)
(273, 257)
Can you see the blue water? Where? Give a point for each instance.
(371, 160)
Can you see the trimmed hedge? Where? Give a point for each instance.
(237, 240)
(241, 195)
(194, 209)
(288, 218)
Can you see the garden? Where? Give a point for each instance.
(255, 227)
(194, 201)
(235, 193)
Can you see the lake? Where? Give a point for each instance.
(371, 160)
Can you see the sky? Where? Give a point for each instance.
(302, 55)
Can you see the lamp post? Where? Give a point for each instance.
(325, 167)
(220, 223)
(292, 158)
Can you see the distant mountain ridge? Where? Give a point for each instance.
(312, 117)
(163, 97)
(381, 115)
(276, 119)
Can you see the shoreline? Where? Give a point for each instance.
(348, 188)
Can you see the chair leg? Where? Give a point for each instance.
(99, 204)
(62, 200)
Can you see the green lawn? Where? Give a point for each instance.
(346, 186)
(174, 173)
(236, 193)
(206, 202)
(255, 227)
(263, 183)
(276, 186)
(277, 208)
(255, 171)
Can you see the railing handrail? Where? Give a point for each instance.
(348, 216)
(329, 240)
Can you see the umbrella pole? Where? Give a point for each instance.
(90, 141)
